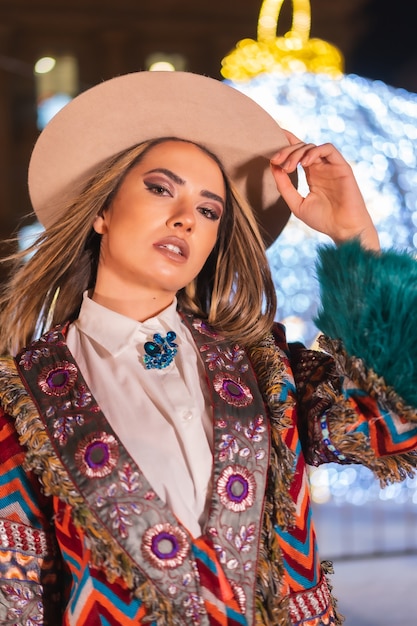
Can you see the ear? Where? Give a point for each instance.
(100, 225)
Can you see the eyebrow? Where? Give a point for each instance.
(180, 181)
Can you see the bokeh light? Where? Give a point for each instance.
(44, 65)
(375, 127)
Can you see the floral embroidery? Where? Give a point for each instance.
(228, 447)
(53, 336)
(97, 455)
(187, 580)
(27, 607)
(236, 488)
(121, 510)
(225, 359)
(205, 329)
(234, 354)
(232, 390)
(129, 479)
(215, 360)
(194, 607)
(243, 539)
(120, 515)
(30, 357)
(58, 380)
(83, 398)
(239, 543)
(165, 546)
(254, 430)
(64, 427)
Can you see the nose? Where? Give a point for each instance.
(182, 218)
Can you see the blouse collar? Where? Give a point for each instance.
(115, 332)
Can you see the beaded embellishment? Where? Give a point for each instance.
(161, 351)
(326, 439)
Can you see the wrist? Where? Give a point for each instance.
(368, 238)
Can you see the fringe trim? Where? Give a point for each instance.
(42, 460)
(393, 468)
(272, 605)
(327, 569)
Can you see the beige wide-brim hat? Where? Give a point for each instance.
(124, 111)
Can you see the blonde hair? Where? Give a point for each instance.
(234, 291)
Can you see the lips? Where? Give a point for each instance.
(174, 248)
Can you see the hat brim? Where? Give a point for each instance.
(125, 111)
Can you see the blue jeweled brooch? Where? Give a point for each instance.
(161, 351)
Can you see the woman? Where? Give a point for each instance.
(155, 437)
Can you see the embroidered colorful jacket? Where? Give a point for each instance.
(86, 541)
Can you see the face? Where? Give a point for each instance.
(159, 229)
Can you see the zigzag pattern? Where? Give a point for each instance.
(93, 599)
(221, 606)
(387, 432)
(298, 543)
(96, 602)
(19, 498)
(27, 550)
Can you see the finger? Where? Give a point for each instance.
(289, 157)
(286, 188)
(324, 152)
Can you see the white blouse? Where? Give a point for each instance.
(161, 416)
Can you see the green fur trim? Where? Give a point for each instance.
(369, 302)
(42, 460)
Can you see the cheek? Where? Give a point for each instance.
(122, 231)
(208, 247)
(215, 237)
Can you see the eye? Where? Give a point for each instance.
(211, 214)
(157, 188)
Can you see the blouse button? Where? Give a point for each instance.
(187, 416)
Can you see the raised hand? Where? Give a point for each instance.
(334, 204)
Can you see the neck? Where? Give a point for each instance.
(139, 309)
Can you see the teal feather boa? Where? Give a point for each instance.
(369, 302)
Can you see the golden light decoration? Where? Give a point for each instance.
(293, 53)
